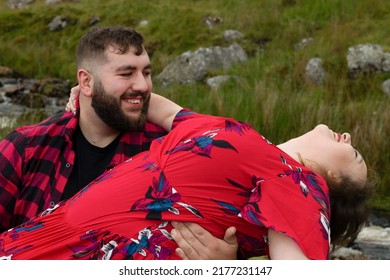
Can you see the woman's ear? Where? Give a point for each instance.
(85, 79)
(334, 176)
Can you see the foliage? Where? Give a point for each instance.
(270, 92)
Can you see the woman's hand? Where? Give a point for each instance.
(74, 95)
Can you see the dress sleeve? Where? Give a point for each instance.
(185, 114)
(297, 207)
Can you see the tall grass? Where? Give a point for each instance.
(270, 93)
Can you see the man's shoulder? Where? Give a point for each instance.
(51, 126)
(50, 133)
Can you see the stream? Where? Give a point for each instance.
(373, 242)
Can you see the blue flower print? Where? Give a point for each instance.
(158, 198)
(308, 183)
(237, 127)
(201, 145)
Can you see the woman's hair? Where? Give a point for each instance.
(350, 208)
(349, 202)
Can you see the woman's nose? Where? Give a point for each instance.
(346, 137)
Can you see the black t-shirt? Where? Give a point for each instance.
(90, 162)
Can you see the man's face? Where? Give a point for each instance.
(121, 95)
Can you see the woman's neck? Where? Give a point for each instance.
(292, 148)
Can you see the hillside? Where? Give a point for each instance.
(271, 93)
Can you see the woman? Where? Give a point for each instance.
(216, 172)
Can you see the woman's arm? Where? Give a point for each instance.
(162, 111)
(282, 247)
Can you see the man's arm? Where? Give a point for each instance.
(200, 244)
(10, 176)
(196, 243)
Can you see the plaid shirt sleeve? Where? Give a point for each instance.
(11, 158)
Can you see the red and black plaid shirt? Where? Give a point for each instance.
(36, 162)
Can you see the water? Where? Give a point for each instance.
(374, 242)
(9, 113)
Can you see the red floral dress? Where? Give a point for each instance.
(213, 171)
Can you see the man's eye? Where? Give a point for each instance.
(125, 74)
(356, 154)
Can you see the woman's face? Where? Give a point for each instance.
(334, 153)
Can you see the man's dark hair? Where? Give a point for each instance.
(93, 45)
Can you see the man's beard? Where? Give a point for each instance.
(109, 110)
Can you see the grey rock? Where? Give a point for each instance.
(57, 23)
(303, 43)
(18, 4)
(347, 253)
(367, 59)
(232, 35)
(192, 67)
(212, 21)
(94, 20)
(51, 2)
(216, 82)
(386, 87)
(143, 23)
(314, 71)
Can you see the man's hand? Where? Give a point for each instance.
(196, 243)
(74, 94)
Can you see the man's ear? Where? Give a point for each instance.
(85, 79)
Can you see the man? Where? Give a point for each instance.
(45, 163)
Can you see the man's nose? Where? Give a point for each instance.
(140, 83)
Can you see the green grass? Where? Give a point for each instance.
(270, 94)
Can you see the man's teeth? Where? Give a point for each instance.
(133, 101)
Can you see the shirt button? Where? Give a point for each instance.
(67, 165)
(52, 203)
